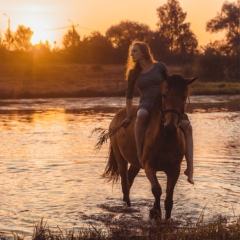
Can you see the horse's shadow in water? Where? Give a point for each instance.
(164, 144)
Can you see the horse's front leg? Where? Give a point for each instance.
(156, 190)
(171, 182)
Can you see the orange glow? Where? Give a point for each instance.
(40, 34)
(50, 20)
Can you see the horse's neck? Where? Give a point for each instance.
(154, 119)
(154, 125)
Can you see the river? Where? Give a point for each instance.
(49, 169)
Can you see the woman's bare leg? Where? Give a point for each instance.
(189, 154)
(140, 127)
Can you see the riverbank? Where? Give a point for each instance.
(218, 229)
(39, 80)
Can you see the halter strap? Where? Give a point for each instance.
(179, 114)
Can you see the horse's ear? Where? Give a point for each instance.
(190, 81)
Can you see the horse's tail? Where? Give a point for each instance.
(111, 170)
(104, 135)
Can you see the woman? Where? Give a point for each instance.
(147, 75)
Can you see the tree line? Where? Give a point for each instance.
(173, 43)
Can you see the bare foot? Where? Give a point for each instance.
(190, 178)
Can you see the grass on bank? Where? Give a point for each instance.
(215, 88)
(49, 80)
(219, 229)
(60, 80)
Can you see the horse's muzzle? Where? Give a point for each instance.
(170, 130)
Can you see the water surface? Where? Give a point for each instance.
(48, 167)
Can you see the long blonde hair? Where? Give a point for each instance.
(135, 65)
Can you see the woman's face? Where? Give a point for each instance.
(136, 53)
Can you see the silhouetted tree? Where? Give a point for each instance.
(2, 51)
(41, 52)
(71, 38)
(8, 40)
(122, 34)
(223, 55)
(175, 34)
(96, 48)
(1, 40)
(56, 48)
(211, 63)
(22, 38)
(42, 48)
(71, 43)
(227, 20)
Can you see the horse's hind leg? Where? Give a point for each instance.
(127, 178)
(123, 171)
(132, 173)
(156, 190)
(171, 182)
(123, 165)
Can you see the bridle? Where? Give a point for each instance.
(179, 114)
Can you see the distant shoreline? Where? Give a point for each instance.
(83, 94)
(21, 81)
(198, 90)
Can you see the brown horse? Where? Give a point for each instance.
(164, 144)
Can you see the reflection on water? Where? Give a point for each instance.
(48, 167)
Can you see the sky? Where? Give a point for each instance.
(51, 19)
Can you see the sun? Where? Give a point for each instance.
(40, 31)
(40, 19)
(38, 36)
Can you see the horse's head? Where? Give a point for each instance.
(174, 95)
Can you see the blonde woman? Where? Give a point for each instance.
(147, 75)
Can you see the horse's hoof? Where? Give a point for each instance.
(154, 214)
(169, 222)
(128, 202)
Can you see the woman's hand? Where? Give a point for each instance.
(126, 122)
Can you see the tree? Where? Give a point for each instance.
(96, 48)
(22, 38)
(210, 60)
(42, 48)
(8, 40)
(71, 39)
(226, 51)
(122, 34)
(1, 40)
(227, 20)
(174, 33)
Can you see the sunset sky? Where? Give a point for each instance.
(51, 19)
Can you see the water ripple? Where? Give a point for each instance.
(49, 169)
